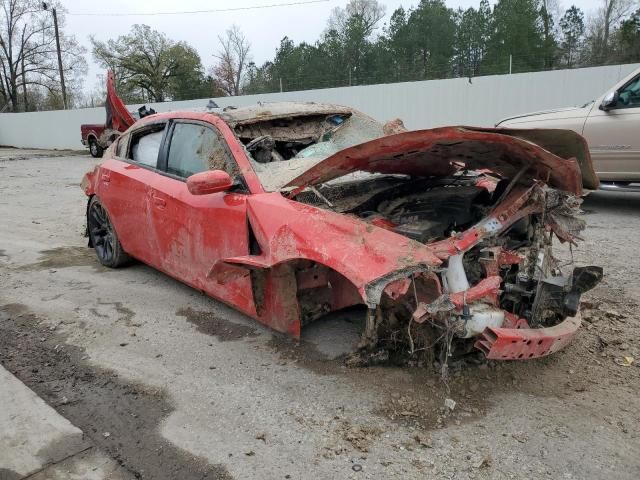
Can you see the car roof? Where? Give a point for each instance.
(264, 111)
(255, 113)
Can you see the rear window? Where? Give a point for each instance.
(145, 145)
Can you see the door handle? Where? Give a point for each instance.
(159, 202)
(106, 178)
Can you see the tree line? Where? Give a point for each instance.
(431, 40)
(426, 41)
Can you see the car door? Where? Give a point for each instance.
(196, 231)
(613, 137)
(124, 188)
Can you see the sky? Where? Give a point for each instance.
(264, 27)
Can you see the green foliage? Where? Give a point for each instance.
(629, 39)
(149, 66)
(572, 26)
(517, 34)
(549, 44)
(473, 31)
(433, 41)
(431, 33)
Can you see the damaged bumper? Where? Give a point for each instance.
(476, 313)
(510, 304)
(525, 343)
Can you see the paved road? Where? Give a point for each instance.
(185, 387)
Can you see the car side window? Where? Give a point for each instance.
(145, 146)
(629, 96)
(195, 148)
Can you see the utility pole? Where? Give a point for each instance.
(55, 25)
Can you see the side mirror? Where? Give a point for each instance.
(211, 181)
(609, 101)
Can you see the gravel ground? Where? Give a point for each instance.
(172, 384)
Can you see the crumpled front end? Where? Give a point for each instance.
(501, 289)
(490, 206)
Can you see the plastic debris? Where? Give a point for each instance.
(626, 361)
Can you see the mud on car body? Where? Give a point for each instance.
(445, 236)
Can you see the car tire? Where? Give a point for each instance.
(95, 149)
(103, 236)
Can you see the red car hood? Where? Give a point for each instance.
(118, 117)
(558, 157)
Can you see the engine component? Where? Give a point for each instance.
(455, 275)
(428, 215)
(261, 148)
(421, 230)
(482, 316)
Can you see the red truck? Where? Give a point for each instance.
(92, 138)
(98, 137)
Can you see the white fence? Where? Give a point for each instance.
(459, 101)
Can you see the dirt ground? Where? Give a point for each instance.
(172, 384)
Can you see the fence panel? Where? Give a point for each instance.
(478, 101)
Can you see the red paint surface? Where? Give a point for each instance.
(525, 343)
(203, 240)
(443, 151)
(121, 119)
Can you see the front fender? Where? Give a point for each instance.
(88, 187)
(365, 254)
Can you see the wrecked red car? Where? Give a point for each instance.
(290, 211)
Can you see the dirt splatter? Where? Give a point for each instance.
(359, 436)
(97, 400)
(125, 315)
(304, 354)
(59, 449)
(413, 397)
(62, 257)
(210, 324)
(6, 474)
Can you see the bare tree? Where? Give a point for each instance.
(233, 58)
(367, 12)
(608, 16)
(612, 12)
(28, 52)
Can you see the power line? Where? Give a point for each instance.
(190, 12)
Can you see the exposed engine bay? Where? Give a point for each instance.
(510, 279)
(422, 209)
(482, 202)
